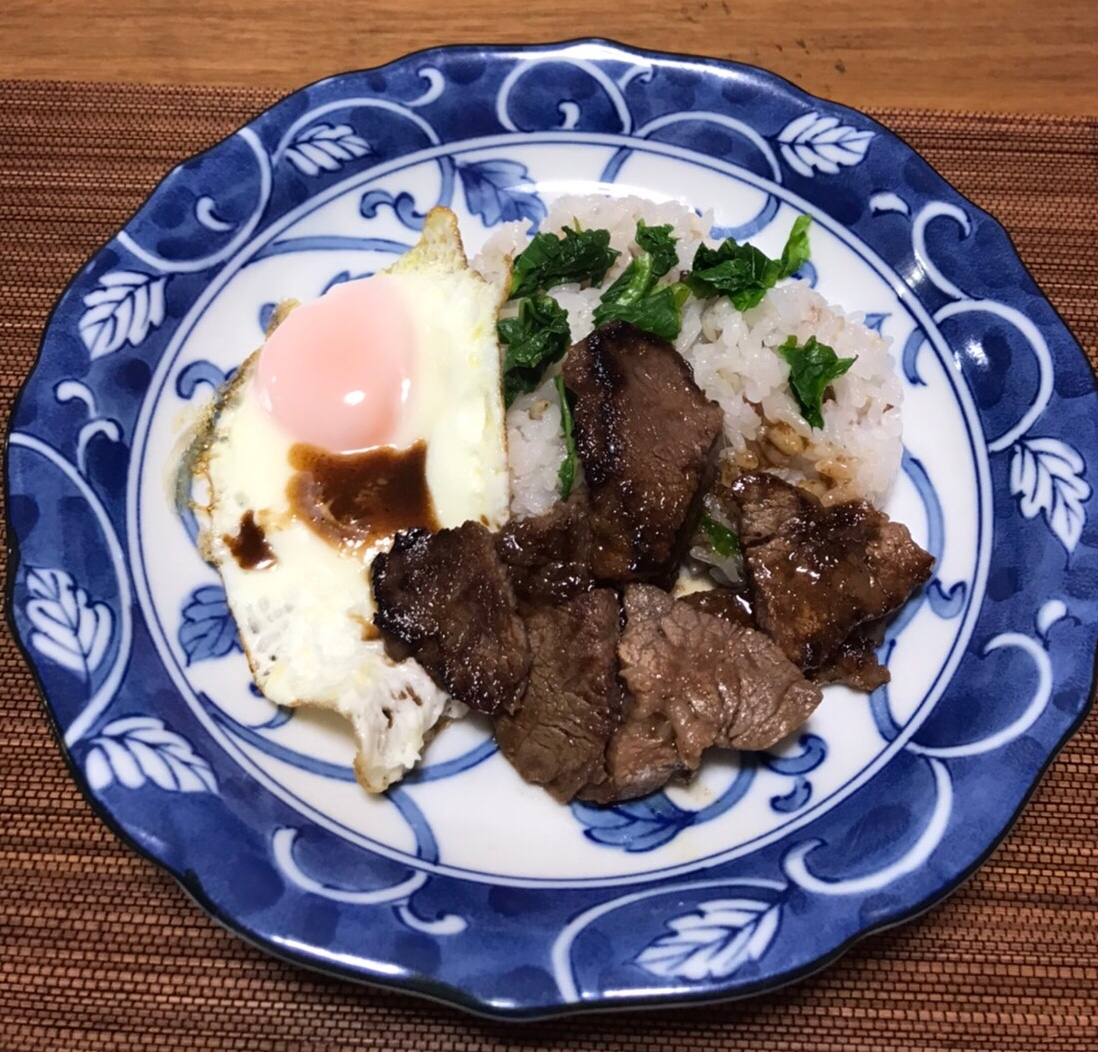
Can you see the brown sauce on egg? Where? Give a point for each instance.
(249, 547)
(357, 499)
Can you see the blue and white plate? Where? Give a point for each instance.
(463, 883)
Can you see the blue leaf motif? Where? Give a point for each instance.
(813, 143)
(791, 802)
(1046, 475)
(339, 279)
(192, 376)
(403, 206)
(124, 308)
(97, 424)
(713, 941)
(495, 191)
(909, 357)
(886, 201)
(640, 825)
(205, 212)
(1050, 613)
(344, 276)
(813, 753)
(266, 312)
(946, 602)
(207, 630)
(807, 272)
(67, 628)
(876, 320)
(326, 147)
(136, 750)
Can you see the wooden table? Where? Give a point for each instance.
(1022, 56)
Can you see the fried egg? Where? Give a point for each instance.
(374, 408)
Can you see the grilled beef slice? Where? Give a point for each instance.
(817, 573)
(557, 738)
(855, 661)
(548, 557)
(446, 597)
(695, 681)
(646, 436)
(728, 604)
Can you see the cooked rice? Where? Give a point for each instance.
(735, 361)
(535, 448)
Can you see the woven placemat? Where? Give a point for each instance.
(100, 950)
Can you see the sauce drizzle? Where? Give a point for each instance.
(249, 547)
(356, 499)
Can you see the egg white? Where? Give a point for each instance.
(305, 621)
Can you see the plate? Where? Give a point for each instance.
(463, 883)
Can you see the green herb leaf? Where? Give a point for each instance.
(549, 260)
(721, 539)
(634, 296)
(811, 368)
(660, 245)
(632, 285)
(659, 312)
(533, 340)
(744, 273)
(741, 272)
(796, 251)
(567, 472)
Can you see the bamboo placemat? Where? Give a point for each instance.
(100, 950)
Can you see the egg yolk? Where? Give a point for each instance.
(336, 372)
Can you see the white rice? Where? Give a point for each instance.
(735, 362)
(535, 449)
